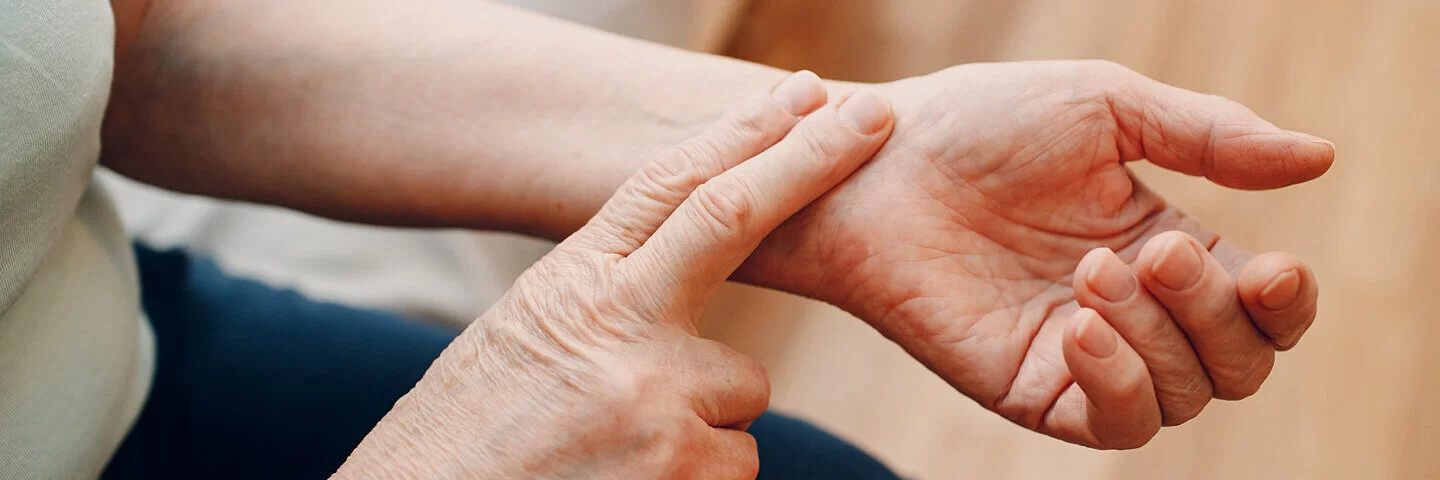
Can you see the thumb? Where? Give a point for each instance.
(1211, 136)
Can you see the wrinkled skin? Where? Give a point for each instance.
(589, 366)
(960, 239)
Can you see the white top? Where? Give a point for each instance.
(76, 355)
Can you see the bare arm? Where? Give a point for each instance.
(962, 239)
(422, 113)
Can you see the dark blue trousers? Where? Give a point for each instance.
(254, 382)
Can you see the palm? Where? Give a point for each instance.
(961, 247)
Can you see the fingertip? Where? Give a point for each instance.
(800, 93)
(1157, 245)
(1173, 260)
(1085, 274)
(1180, 384)
(1270, 158)
(657, 189)
(1322, 151)
(1311, 157)
(1274, 275)
(866, 112)
(726, 216)
(1220, 139)
(1280, 292)
(1107, 276)
(1312, 139)
(1094, 255)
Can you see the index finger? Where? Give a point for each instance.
(653, 193)
(725, 218)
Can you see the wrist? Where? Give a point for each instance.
(562, 202)
(620, 132)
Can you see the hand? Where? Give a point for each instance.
(965, 241)
(589, 366)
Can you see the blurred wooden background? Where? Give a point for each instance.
(1359, 398)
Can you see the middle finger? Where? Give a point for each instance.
(1201, 297)
(1104, 283)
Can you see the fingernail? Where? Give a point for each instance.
(1281, 292)
(1312, 139)
(1095, 339)
(800, 93)
(1179, 266)
(865, 112)
(1111, 279)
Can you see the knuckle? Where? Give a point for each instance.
(722, 208)
(759, 375)
(627, 388)
(1152, 333)
(754, 380)
(682, 444)
(1187, 400)
(748, 127)
(687, 159)
(823, 148)
(1246, 380)
(616, 223)
(1136, 383)
(1209, 320)
(680, 439)
(667, 449)
(1204, 324)
(664, 174)
(622, 393)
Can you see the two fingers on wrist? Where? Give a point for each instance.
(690, 217)
(653, 193)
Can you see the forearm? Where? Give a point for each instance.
(428, 113)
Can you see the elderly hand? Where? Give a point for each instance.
(589, 366)
(965, 241)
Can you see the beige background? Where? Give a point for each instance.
(1356, 399)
